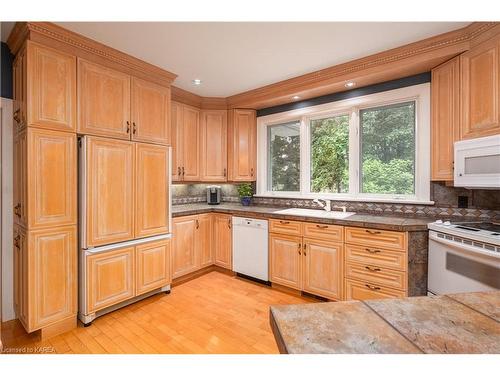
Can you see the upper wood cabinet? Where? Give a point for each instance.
(150, 112)
(223, 241)
(20, 178)
(242, 145)
(176, 119)
(51, 88)
(213, 145)
(184, 257)
(445, 126)
(19, 71)
(103, 101)
(285, 260)
(109, 180)
(152, 190)
(153, 269)
(480, 90)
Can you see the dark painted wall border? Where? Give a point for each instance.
(7, 58)
(335, 97)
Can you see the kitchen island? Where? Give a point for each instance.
(456, 323)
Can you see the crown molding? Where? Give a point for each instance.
(202, 102)
(54, 36)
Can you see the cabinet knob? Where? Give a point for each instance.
(229, 223)
(321, 226)
(179, 171)
(16, 242)
(305, 246)
(183, 171)
(225, 172)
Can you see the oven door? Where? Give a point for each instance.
(456, 267)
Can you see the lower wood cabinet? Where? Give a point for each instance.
(223, 241)
(184, 257)
(45, 276)
(285, 260)
(153, 266)
(204, 239)
(358, 290)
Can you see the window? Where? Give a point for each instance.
(388, 149)
(284, 157)
(371, 148)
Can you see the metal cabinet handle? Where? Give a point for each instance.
(225, 172)
(16, 242)
(197, 224)
(299, 245)
(373, 231)
(16, 116)
(229, 223)
(179, 172)
(321, 226)
(284, 222)
(128, 127)
(305, 254)
(372, 251)
(251, 172)
(134, 130)
(183, 171)
(373, 269)
(17, 210)
(372, 287)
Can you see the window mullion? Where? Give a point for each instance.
(305, 160)
(354, 151)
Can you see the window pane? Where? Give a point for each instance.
(388, 149)
(284, 157)
(330, 155)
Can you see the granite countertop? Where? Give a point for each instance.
(456, 323)
(398, 223)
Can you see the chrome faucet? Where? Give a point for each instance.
(325, 204)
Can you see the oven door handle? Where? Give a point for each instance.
(464, 247)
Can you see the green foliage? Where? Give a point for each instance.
(285, 157)
(245, 190)
(394, 177)
(330, 154)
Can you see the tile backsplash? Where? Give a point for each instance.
(481, 204)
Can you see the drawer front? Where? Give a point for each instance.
(286, 227)
(376, 257)
(355, 290)
(376, 274)
(324, 231)
(376, 238)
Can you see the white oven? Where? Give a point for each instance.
(477, 162)
(462, 259)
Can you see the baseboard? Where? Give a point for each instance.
(55, 329)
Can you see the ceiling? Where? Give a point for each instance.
(231, 58)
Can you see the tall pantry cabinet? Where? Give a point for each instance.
(45, 188)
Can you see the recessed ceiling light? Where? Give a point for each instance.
(350, 84)
(296, 97)
(197, 82)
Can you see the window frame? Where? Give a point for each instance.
(418, 93)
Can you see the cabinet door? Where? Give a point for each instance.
(103, 101)
(223, 241)
(480, 90)
(242, 147)
(21, 275)
(152, 180)
(109, 179)
(445, 118)
(52, 267)
(176, 138)
(323, 265)
(19, 71)
(150, 112)
(285, 258)
(191, 144)
(52, 167)
(20, 178)
(152, 262)
(184, 259)
(110, 278)
(51, 95)
(213, 146)
(204, 239)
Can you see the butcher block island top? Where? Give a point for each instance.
(456, 323)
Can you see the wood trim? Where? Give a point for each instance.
(55, 36)
(201, 102)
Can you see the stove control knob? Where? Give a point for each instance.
(447, 223)
(439, 221)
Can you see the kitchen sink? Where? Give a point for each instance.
(315, 213)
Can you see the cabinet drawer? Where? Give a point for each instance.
(376, 257)
(376, 238)
(376, 274)
(324, 231)
(285, 227)
(356, 290)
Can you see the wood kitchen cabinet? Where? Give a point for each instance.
(103, 101)
(176, 140)
(45, 268)
(285, 256)
(150, 112)
(223, 241)
(204, 240)
(480, 90)
(153, 268)
(242, 145)
(445, 117)
(152, 190)
(184, 257)
(110, 278)
(44, 178)
(109, 179)
(213, 143)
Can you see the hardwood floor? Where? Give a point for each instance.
(215, 313)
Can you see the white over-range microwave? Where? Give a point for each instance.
(477, 163)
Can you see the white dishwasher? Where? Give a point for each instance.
(250, 252)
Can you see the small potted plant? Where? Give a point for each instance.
(245, 193)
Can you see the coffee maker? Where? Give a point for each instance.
(213, 194)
